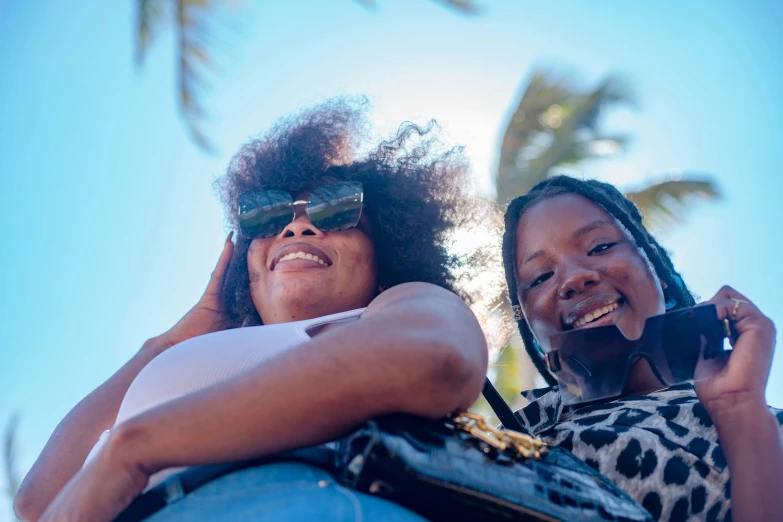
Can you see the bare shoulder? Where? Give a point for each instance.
(423, 295)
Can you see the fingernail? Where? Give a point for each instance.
(230, 235)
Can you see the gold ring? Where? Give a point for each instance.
(727, 327)
(737, 303)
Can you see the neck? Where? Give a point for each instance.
(642, 380)
(291, 314)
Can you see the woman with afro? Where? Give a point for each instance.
(337, 301)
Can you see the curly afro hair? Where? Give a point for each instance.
(413, 192)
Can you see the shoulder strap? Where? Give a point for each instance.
(501, 409)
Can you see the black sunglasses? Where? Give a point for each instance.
(592, 363)
(331, 207)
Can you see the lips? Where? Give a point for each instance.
(301, 250)
(592, 310)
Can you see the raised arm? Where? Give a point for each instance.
(416, 349)
(72, 440)
(749, 433)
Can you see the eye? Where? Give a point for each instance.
(540, 279)
(600, 249)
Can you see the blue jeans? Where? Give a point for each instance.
(287, 491)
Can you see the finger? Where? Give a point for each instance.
(216, 279)
(748, 319)
(726, 292)
(735, 311)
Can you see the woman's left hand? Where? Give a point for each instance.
(100, 491)
(743, 382)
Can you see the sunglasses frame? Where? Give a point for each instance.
(292, 204)
(648, 346)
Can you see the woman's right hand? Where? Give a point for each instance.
(209, 313)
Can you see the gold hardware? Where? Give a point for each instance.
(524, 446)
(737, 303)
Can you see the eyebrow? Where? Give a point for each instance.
(582, 231)
(592, 226)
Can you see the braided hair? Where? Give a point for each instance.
(623, 211)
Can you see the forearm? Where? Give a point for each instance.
(393, 361)
(751, 440)
(74, 437)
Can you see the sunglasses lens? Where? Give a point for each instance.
(337, 206)
(593, 363)
(265, 213)
(691, 342)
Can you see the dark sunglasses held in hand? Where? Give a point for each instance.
(683, 345)
(331, 207)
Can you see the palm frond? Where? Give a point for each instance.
(666, 203)
(193, 34)
(369, 4)
(555, 122)
(190, 19)
(151, 16)
(467, 7)
(461, 6)
(9, 456)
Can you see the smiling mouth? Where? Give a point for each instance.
(301, 255)
(596, 314)
(597, 310)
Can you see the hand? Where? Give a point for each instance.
(743, 382)
(100, 490)
(208, 315)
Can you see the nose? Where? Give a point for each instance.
(301, 225)
(577, 279)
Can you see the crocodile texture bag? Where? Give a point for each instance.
(458, 468)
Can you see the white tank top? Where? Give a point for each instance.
(206, 360)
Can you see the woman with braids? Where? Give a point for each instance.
(338, 303)
(577, 255)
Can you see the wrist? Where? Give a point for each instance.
(738, 412)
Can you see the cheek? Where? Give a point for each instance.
(359, 255)
(541, 314)
(641, 284)
(256, 256)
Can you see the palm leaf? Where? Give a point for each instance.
(461, 6)
(191, 22)
(666, 203)
(555, 123)
(9, 453)
(467, 7)
(192, 16)
(151, 15)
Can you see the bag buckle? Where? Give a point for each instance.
(523, 445)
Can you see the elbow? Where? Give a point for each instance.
(454, 380)
(26, 507)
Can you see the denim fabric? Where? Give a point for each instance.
(283, 492)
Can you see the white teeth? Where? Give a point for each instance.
(302, 255)
(595, 314)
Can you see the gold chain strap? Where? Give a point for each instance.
(502, 440)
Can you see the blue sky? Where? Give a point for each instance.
(110, 223)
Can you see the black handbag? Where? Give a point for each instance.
(450, 469)
(458, 468)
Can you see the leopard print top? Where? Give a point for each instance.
(661, 448)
